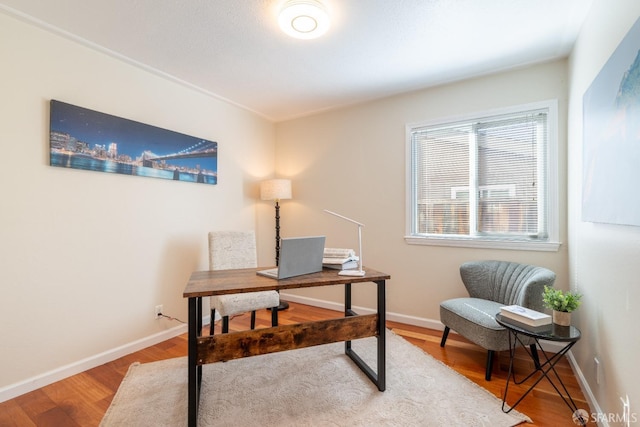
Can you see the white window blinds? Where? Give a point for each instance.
(481, 178)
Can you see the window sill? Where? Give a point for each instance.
(516, 245)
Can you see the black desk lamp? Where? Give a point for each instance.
(277, 189)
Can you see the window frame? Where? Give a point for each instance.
(551, 243)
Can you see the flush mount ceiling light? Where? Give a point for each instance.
(304, 19)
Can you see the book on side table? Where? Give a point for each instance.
(525, 317)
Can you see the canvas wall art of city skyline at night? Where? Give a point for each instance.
(80, 138)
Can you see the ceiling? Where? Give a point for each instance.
(234, 50)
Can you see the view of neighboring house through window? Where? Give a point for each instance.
(484, 178)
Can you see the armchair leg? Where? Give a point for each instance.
(212, 323)
(445, 334)
(253, 319)
(274, 317)
(487, 375)
(225, 325)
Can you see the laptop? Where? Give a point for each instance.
(298, 256)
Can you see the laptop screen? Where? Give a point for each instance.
(298, 256)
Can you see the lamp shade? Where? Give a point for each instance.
(275, 189)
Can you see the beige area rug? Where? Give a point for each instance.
(315, 386)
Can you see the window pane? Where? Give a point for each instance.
(442, 165)
(508, 176)
(481, 178)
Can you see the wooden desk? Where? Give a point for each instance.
(222, 347)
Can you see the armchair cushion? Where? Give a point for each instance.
(473, 319)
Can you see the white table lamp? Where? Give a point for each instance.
(359, 271)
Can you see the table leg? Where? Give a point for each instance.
(382, 336)
(378, 377)
(568, 400)
(347, 312)
(513, 343)
(544, 369)
(194, 370)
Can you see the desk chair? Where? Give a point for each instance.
(491, 285)
(237, 249)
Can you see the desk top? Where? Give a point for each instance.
(221, 282)
(552, 333)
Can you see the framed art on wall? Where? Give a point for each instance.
(611, 128)
(85, 139)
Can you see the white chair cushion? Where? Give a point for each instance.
(230, 305)
(237, 249)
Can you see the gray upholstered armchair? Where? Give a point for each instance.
(491, 285)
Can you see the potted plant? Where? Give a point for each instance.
(562, 304)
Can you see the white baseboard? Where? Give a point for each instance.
(594, 406)
(14, 390)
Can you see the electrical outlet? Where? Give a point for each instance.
(158, 311)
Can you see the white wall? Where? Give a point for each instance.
(86, 256)
(603, 258)
(352, 161)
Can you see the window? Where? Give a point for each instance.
(489, 180)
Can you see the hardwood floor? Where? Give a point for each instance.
(82, 399)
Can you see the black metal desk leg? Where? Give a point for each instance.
(382, 339)
(194, 370)
(378, 377)
(347, 311)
